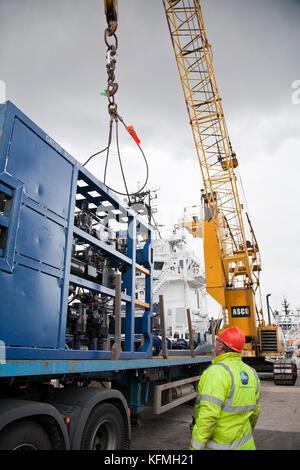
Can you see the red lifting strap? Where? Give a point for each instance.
(132, 132)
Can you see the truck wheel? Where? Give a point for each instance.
(24, 435)
(104, 429)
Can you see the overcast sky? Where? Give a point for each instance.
(52, 59)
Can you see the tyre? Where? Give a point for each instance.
(104, 429)
(24, 435)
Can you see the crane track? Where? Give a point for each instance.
(285, 372)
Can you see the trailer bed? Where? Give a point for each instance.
(27, 368)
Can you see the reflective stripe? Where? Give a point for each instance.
(211, 399)
(228, 409)
(257, 382)
(228, 405)
(232, 446)
(239, 409)
(197, 445)
(215, 446)
(232, 388)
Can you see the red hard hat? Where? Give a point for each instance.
(234, 338)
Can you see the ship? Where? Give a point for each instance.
(178, 276)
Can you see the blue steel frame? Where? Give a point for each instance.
(42, 178)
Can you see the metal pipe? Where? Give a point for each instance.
(116, 348)
(268, 308)
(163, 327)
(188, 313)
(213, 336)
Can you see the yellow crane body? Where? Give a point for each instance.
(214, 271)
(239, 303)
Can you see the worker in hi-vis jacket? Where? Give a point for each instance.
(227, 406)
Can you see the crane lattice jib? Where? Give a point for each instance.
(217, 161)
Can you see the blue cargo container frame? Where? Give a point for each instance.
(20, 135)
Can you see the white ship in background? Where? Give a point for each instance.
(178, 275)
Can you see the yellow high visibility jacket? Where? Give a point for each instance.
(227, 406)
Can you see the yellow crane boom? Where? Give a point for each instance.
(232, 263)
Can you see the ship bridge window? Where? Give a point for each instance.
(158, 265)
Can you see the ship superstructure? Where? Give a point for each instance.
(178, 275)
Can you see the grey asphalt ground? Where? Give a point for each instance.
(278, 427)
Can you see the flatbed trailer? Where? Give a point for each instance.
(77, 363)
(60, 399)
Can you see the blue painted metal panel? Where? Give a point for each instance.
(41, 238)
(30, 155)
(42, 181)
(30, 308)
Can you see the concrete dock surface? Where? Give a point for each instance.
(278, 427)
